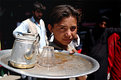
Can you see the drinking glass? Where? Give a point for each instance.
(47, 57)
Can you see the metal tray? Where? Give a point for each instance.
(78, 65)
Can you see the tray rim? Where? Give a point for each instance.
(19, 71)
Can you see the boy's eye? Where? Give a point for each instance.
(62, 28)
(73, 28)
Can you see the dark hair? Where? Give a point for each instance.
(38, 6)
(62, 11)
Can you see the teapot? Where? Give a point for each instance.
(24, 51)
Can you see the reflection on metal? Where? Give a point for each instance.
(69, 66)
(23, 53)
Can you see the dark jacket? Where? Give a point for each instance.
(95, 46)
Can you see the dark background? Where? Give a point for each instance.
(13, 11)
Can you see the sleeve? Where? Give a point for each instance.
(77, 41)
(22, 28)
(115, 65)
(44, 31)
(42, 23)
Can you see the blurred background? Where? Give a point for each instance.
(14, 11)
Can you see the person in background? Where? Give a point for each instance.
(103, 22)
(114, 54)
(95, 45)
(63, 25)
(33, 25)
(36, 21)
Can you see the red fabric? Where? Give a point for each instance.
(79, 51)
(114, 57)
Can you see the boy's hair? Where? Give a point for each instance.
(62, 11)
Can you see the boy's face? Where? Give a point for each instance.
(65, 31)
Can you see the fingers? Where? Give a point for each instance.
(73, 51)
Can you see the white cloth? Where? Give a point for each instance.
(76, 42)
(24, 28)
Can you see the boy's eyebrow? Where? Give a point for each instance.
(61, 25)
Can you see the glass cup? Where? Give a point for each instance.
(47, 57)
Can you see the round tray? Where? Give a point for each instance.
(77, 65)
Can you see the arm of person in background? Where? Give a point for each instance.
(22, 28)
(75, 43)
(76, 40)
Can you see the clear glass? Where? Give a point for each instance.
(47, 57)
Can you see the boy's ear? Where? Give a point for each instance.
(50, 28)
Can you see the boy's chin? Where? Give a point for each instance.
(66, 44)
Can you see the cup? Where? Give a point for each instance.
(47, 57)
